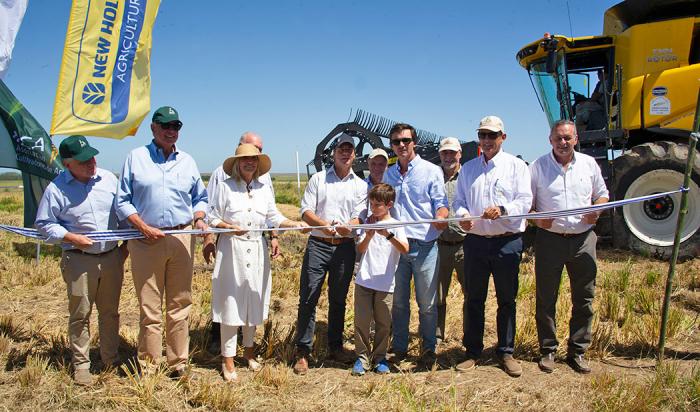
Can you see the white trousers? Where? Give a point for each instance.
(229, 338)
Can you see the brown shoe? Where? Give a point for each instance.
(301, 366)
(466, 365)
(579, 364)
(547, 363)
(82, 377)
(510, 365)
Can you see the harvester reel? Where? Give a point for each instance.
(649, 227)
(370, 129)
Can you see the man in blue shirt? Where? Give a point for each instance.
(80, 199)
(161, 189)
(420, 195)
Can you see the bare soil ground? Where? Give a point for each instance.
(36, 358)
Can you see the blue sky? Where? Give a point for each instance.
(292, 70)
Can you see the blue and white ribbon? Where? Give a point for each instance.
(129, 234)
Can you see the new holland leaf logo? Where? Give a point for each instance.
(94, 93)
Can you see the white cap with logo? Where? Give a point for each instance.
(450, 143)
(492, 123)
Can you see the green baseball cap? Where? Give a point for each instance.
(165, 114)
(77, 147)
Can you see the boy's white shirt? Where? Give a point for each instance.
(379, 262)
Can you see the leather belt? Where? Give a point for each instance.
(335, 241)
(178, 227)
(567, 235)
(449, 243)
(78, 251)
(499, 235)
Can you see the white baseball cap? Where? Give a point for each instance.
(450, 143)
(492, 123)
(378, 152)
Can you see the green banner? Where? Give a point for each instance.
(26, 146)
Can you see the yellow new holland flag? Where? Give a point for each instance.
(105, 81)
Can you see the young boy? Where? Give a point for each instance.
(374, 281)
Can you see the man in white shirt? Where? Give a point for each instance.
(333, 197)
(493, 185)
(565, 179)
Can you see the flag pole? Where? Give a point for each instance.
(693, 141)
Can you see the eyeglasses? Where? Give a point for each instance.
(405, 140)
(177, 125)
(489, 135)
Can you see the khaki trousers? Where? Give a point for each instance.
(93, 279)
(371, 305)
(450, 258)
(163, 268)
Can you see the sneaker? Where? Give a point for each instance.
(358, 369)
(82, 377)
(382, 367)
(579, 364)
(546, 363)
(510, 365)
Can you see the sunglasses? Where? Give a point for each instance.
(171, 126)
(489, 135)
(405, 140)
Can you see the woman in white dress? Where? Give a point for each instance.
(241, 281)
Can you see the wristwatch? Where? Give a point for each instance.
(503, 210)
(389, 236)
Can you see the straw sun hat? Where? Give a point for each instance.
(245, 150)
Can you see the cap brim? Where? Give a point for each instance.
(490, 128)
(87, 154)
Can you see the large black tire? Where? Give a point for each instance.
(649, 227)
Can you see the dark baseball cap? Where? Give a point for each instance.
(77, 147)
(165, 114)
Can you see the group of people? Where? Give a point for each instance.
(160, 190)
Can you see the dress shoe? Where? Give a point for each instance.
(398, 357)
(546, 363)
(340, 355)
(510, 365)
(178, 373)
(301, 366)
(82, 377)
(229, 376)
(428, 359)
(466, 365)
(579, 364)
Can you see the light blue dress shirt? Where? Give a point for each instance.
(164, 192)
(419, 194)
(69, 205)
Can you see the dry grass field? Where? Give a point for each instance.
(35, 356)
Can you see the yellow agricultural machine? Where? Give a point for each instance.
(632, 93)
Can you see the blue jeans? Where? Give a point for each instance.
(421, 262)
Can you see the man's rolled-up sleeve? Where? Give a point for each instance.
(47, 222)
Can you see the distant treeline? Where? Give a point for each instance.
(10, 176)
